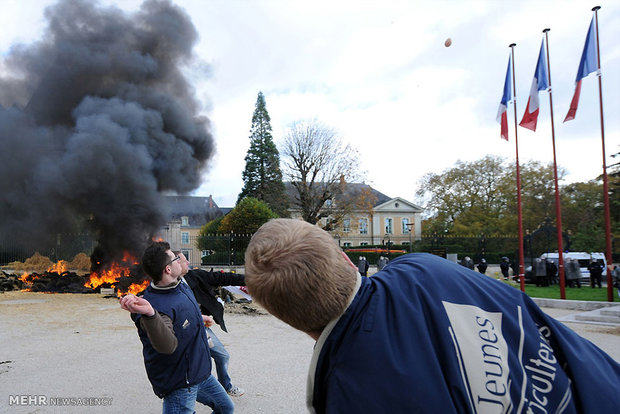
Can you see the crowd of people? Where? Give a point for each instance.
(544, 272)
(422, 334)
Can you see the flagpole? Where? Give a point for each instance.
(610, 290)
(558, 207)
(519, 211)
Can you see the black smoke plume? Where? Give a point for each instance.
(97, 121)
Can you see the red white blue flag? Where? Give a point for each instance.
(502, 115)
(587, 65)
(539, 83)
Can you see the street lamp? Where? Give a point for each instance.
(387, 243)
(409, 228)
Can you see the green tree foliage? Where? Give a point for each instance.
(212, 227)
(467, 199)
(205, 240)
(537, 195)
(480, 197)
(318, 165)
(249, 214)
(262, 176)
(583, 213)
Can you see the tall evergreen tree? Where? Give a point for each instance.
(262, 176)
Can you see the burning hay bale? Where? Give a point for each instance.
(124, 277)
(52, 282)
(36, 263)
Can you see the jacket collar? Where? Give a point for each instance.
(167, 287)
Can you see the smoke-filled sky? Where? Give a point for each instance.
(97, 120)
(377, 71)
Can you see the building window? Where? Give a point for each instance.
(396, 205)
(346, 244)
(346, 225)
(405, 222)
(364, 226)
(184, 237)
(184, 221)
(186, 253)
(364, 244)
(388, 226)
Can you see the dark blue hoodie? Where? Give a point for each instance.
(429, 336)
(190, 363)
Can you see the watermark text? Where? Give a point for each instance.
(44, 400)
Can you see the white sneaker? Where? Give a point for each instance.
(235, 391)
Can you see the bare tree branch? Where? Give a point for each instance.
(317, 162)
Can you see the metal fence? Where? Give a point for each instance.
(65, 247)
(229, 249)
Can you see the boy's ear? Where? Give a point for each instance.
(348, 260)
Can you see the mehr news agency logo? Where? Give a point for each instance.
(43, 400)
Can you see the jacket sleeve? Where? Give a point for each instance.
(160, 331)
(215, 279)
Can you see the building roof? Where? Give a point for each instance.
(352, 191)
(199, 210)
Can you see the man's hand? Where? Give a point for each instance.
(135, 304)
(208, 321)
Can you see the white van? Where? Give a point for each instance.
(583, 258)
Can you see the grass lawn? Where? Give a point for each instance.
(553, 292)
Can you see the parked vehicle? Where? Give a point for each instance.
(582, 257)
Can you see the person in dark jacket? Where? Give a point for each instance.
(504, 266)
(540, 272)
(175, 346)
(362, 266)
(596, 272)
(482, 266)
(572, 272)
(424, 335)
(615, 276)
(382, 262)
(552, 271)
(203, 285)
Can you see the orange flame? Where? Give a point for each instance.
(112, 274)
(24, 277)
(58, 267)
(134, 288)
(27, 279)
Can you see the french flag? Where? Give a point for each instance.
(539, 83)
(587, 65)
(502, 116)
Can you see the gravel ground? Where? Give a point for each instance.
(84, 346)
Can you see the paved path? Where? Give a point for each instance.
(77, 346)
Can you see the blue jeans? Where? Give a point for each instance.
(208, 392)
(221, 356)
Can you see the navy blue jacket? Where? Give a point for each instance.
(190, 363)
(429, 336)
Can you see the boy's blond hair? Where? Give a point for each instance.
(298, 273)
